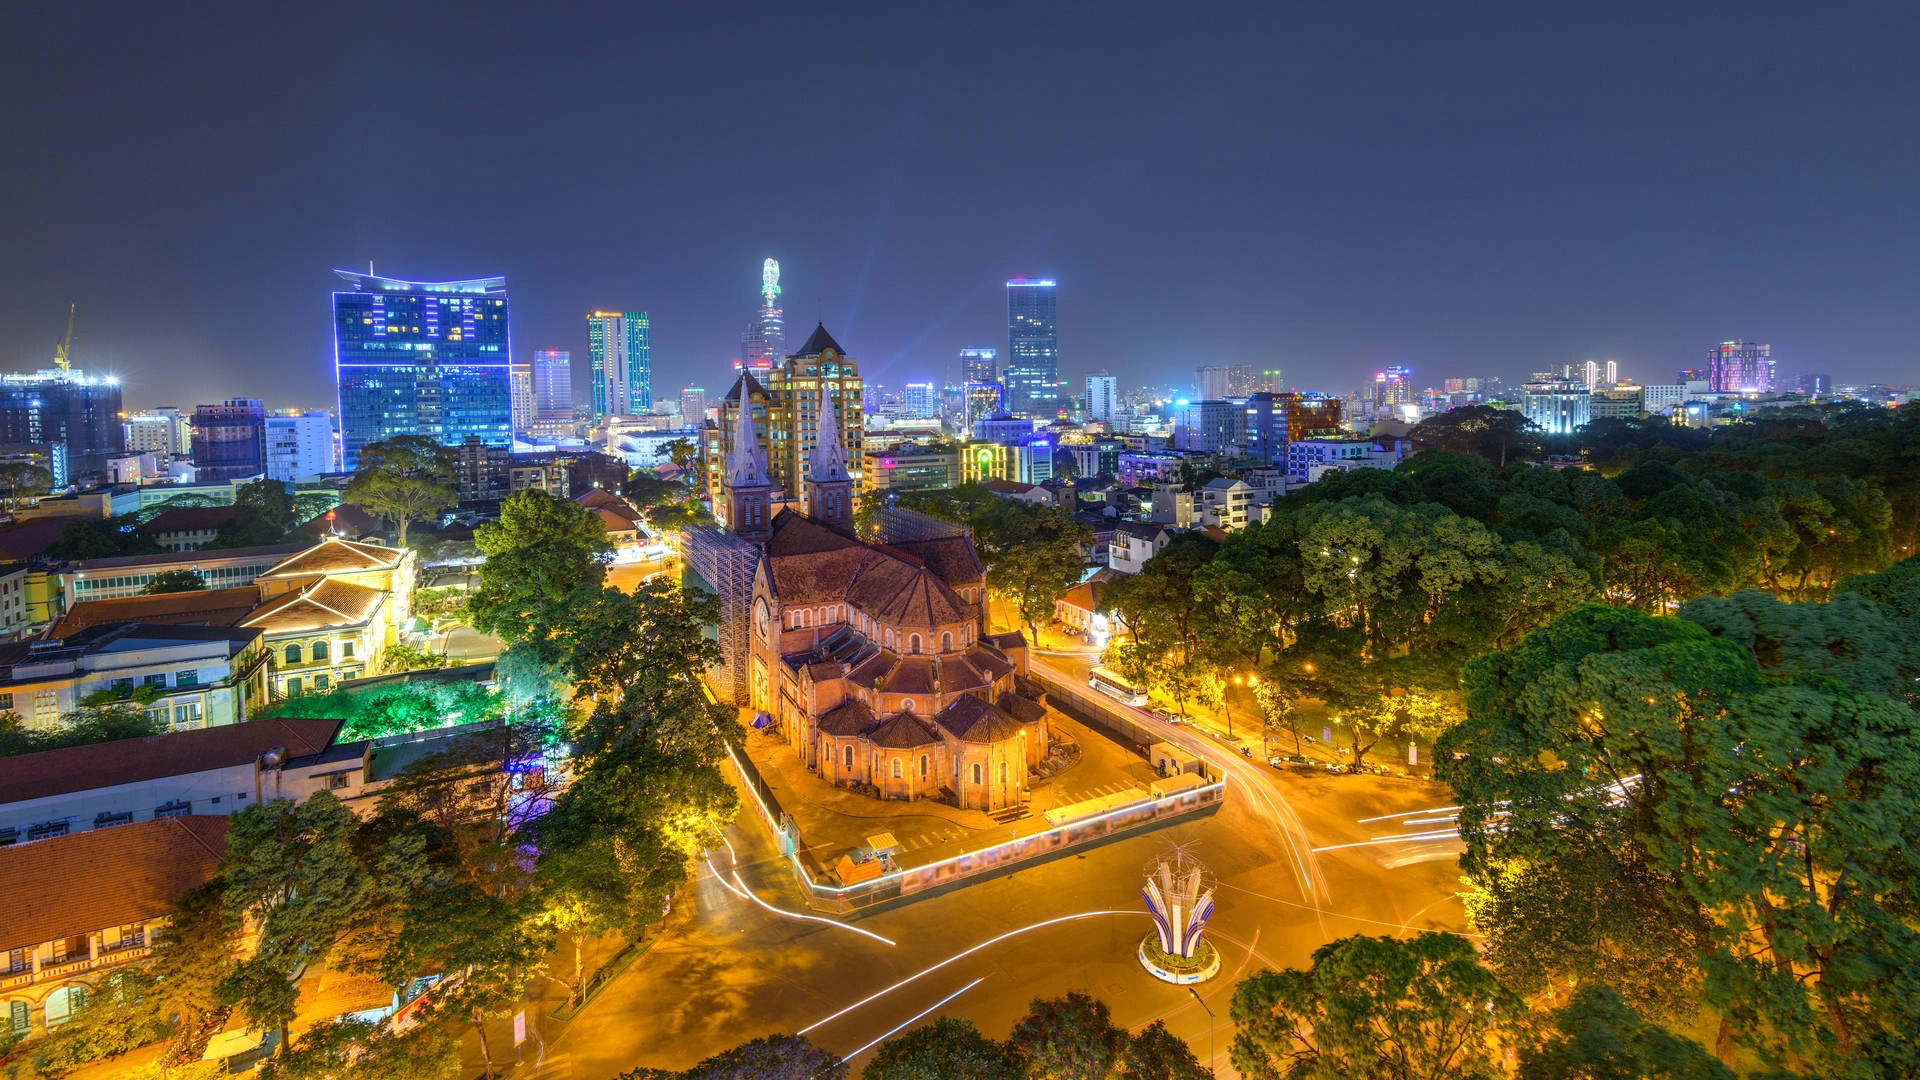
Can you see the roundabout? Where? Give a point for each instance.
(1204, 964)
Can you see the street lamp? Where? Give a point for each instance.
(1202, 1002)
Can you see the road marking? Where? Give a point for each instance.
(877, 995)
(909, 1021)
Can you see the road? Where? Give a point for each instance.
(1297, 863)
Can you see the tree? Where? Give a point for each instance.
(543, 559)
(1032, 554)
(1154, 1053)
(1753, 821)
(1067, 1038)
(22, 480)
(361, 1050)
(1374, 1009)
(174, 581)
(403, 479)
(401, 656)
(269, 499)
(88, 538)
(1489, 431)
(396, 708)
(119, 1016)
(771, 1057)
(94, 722)
(1598, 1036)
(950, 1048)
(292, 868)
(190, 956)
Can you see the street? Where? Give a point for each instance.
(1296, 865)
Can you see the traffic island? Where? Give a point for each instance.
(1204, 964)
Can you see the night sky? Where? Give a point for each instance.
(1464, 190)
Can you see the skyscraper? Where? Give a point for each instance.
(552, 385)
(765, 340)
(1217, 382)
(1102, 396)
(1033, 347)
(622, 363)
(425, 358)
(520, 374)
(70, 417)
(693, 405)
(298, 444)
(922, 400)
(790, 398)
(1740, 367)
(978, 364)
(1816, 385)
(230, 440)
(1393, 386)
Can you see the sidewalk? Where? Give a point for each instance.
(834, 821)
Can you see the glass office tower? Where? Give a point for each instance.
(421, 358)
(66, 421)
(1032, 373)
(622, 360)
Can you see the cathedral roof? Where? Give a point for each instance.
(849, 718)
(951, 557)
(818, 342)
(809, 562)
(971, 720)
(913, 675)
(903, 731)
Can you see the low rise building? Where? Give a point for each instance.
(330, 611)
(1135, 542)
(1232, 504)
(187, 676)
(1174, 506)
(78, 907)
(910, 466)
(1309, 459)
(189, 528)
(1149, 466)
(129, 575)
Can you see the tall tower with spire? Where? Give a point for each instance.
(748, 489)
(829, 485)
(765, 339)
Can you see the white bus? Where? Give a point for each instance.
(1111, 684)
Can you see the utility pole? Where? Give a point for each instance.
(1203, 1004)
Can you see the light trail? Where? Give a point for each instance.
(1338, 915)
(1407, 838)
(910, 1020)
(748, 894)
(877, 995)
(1449, 810)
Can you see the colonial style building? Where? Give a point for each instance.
(329, 611)
(872, 657)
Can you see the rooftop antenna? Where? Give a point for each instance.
(370, 272)
(60, 351)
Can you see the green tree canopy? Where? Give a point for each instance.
(173, 581)
(1374, 1009)
(1494, 433)
(1067, 1038)
(403, 479)
(950, 1048)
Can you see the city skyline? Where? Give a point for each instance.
(1526, 241)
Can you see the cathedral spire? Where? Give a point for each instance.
(827, 461)
(747, 463)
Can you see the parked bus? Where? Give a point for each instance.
(1111, 684)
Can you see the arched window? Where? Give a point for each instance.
(293, 687)
(896, 768)
(976, 772)
(907, 704)
(293, 653)
(889, 637)
(848, 757)
(946, 641)
(804, 620)
(923, 766)
(913, 644)
(319, 651)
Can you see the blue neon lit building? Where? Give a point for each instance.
(421, 358)
(1032, 374)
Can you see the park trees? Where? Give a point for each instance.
(403, 479)
(1032, 553)
(1489, 431)
(1750, 818)
(1374, 1009)
(23, 480)
(950, 1048)
(1067, 1038)
(544, 556)
(173, 581)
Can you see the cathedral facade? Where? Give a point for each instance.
(873, 658)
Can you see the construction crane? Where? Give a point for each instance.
(60, 351)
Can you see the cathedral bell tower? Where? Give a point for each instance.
(749, 492)
(829, 486)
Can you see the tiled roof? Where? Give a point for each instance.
(850, 717)
(614, 520)
(34, 535)
(870, 671)
(990, 661)
(903, 731)
(957, 675)
(170, 559)
(333, 555)
(1022, 708)
(191, 519)
(971, 720)
(94, 880)
(345, 519)
(914, 675)
(207, 607)
(127, 761)
(325, 603)
(1140, 530)
(951, 557)
(1009, 640)
(809, 563)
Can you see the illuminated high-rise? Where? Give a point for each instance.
(765, 341)
(1032, 375)
(978, 364)
(425, 358)
(1102, 396)
(553, 385)
(1740, 367)
(622, 359)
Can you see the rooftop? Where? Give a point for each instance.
(129, 761)
(205, 607)
(168, 559)
(76, 884)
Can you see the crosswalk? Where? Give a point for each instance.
(1094, 793)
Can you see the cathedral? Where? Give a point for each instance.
(873, 658)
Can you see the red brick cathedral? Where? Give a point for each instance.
(873, 657)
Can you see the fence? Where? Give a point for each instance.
(902, 884)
